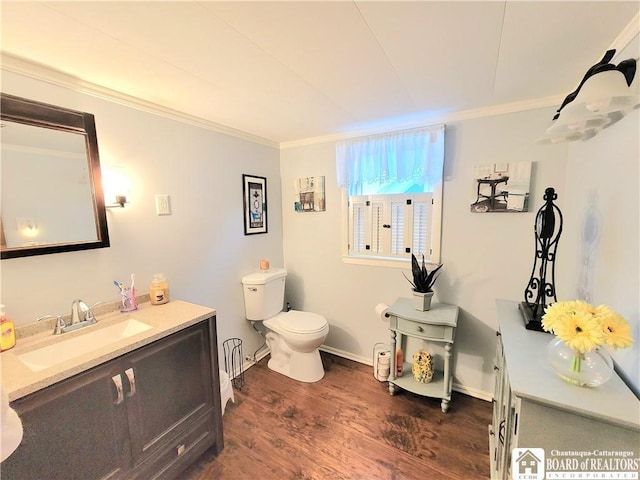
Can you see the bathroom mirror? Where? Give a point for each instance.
(52, 199)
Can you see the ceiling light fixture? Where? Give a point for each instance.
(603, 97)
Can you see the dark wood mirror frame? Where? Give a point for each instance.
(30, 112)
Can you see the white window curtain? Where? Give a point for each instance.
(416, 154)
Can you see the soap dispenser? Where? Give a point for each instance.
(7, 332)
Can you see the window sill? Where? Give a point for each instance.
(377, 261)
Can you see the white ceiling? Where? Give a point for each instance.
(287, 71)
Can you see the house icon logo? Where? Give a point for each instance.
(527, 464)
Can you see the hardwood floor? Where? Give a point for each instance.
(346, 426)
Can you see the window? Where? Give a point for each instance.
(392, 195)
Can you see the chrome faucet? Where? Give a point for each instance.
(59, 326)
(80, 312)
(81, 316)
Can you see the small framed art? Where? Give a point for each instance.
(254, 190)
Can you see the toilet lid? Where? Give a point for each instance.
(302, 322)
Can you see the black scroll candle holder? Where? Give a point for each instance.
(541, 289)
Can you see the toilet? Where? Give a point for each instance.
(292, 336)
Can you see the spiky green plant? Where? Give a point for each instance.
(423, 280)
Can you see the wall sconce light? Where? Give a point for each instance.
(602, 99)
(121, 200)
(116, 186)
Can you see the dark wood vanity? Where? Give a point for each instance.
(146, 414)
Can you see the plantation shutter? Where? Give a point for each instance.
(397, 229)
(377, 220)
(421, 227)
(392, 226)
(357, 223)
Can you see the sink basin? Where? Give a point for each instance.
(51, 355)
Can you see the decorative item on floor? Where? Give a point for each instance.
(310, 194)
(233, 361)
(423, 282)
(254, 191)
(603, 97)
(422, 366)
(540, 289)
(381, 362)
(583, 332)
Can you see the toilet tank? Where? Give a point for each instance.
(263, 293)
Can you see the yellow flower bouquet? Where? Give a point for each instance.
(585, 328)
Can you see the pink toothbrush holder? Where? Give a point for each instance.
(128, 300)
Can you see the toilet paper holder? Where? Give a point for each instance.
(382, 311)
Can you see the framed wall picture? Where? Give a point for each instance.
(310, 194)
(254, 190)
(501, 187)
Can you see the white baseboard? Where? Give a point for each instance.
(347, 355)
(472, 392)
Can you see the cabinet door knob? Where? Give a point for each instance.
(117, 381)
(132, 381)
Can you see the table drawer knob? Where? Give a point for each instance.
(419, 328)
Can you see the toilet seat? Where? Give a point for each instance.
(295, 321)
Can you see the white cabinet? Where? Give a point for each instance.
(577, 429)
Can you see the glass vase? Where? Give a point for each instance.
(589, 369)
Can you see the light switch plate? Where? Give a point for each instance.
(163, 206)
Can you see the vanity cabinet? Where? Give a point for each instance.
(535, 409)
(146, 414)
(72, 430)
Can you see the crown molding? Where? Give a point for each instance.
(46, 74)
(451, 117)
(625, 37)
(49, 75)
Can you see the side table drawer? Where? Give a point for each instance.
(417, 329)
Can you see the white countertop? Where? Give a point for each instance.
(532, 377)
(18, 380)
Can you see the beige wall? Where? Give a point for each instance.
(201, 247)
(486, 256)
(602, 228)
(203, 251)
